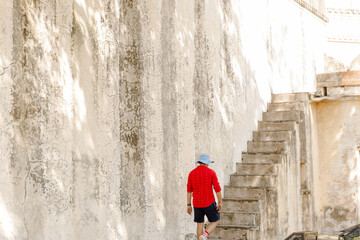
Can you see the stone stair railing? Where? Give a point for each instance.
(263, 200)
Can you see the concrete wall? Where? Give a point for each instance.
(336, 155)
(106, 104)
(314, 165)
(342, 51)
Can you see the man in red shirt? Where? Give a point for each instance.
(200, 185)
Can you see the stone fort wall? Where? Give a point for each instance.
(106, 104)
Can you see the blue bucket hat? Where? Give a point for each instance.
(204, 158)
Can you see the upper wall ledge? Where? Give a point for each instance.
(343, 11)
(313, 10)
(337, 86)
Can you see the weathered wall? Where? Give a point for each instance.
(315, 185)
(7, 196)
(336, 176)
(106, 104)
(342, 50)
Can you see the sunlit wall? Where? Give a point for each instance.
(338, 164)
(342, 51)
(105, 105)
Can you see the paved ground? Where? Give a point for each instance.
(328, 237)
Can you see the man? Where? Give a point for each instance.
(201, 182)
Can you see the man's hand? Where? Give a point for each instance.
(218, 195)
(189, 210)
(219, 208)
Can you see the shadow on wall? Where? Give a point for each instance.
(222, 94)
(77, 114)
(241, 101)
(65, 165)
(40, 164)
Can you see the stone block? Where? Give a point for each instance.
(286, 106)
(272, 136)
(290, 97)
(267, 147)
(349, 78)
(241, 205)
(262, 158)
(277, 126)
(256, 169)
(282, 116)
(230, 232)
(244, 192)
(348, 91)
(252, 181)
(235, 218)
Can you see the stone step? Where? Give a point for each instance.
(256, 169)
(277, 126)
(272, 136)
(262, 157)
(328, 237)
(232, 232)
(267, 147)
(290, 97)
(241, 205)
(252, 181)
(235, 218)
(285, 106)
(244, 193)
(282, 116)
(234, 238)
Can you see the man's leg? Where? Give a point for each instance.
(213, 217)
(211, 226)
(200, 229)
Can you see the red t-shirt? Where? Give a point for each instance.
(201, 182)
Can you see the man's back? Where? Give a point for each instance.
(201, 182)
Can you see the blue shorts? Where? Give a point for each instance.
(211, 213)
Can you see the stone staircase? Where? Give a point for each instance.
(268, 174)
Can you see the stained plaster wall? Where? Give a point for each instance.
(342, 50)
(336, 155)
(106, 104)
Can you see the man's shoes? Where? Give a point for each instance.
(203, 237)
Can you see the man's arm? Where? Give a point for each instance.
(218, 195)
(217, 189)
(189, 194)
(189, 208)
